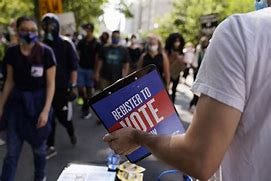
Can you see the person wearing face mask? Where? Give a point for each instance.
(135, 52)
(232, 122)
(88, 49)
(25, 103)
(113, 62)
(156, 55)
(66, 79)
(174, 48)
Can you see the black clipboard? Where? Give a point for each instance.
(139, 100)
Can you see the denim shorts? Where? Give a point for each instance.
(85, 77)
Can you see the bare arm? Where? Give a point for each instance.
(199, 151)
(125, 69)
(50, 90)
(166, 69)
(9, 84)
(98, 67)
(73, 77)
(140, 61)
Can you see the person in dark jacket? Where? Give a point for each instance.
(66, 78)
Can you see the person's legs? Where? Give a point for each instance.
(39, 153)
(64, 116)
(174, 88)
(14, 147)
(81, 85)
(88, 92)
(51, 138)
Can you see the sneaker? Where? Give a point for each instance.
(2, 142)
(80, 101)
(86, 114)
(50, 152)
(73, 140)
(42, 179)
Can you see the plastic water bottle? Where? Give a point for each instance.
(113, 161)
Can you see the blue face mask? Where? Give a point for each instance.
(260, 4)
(115, 41)
(28, 38)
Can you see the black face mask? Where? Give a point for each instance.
(51, 29)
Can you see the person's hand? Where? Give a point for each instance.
(96, 77)
(71, 95)
(123, 141)
(43, 118)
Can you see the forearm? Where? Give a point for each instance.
(175, 151)
(125, 69)
(8, 86)
(73, 77)
(98, 67)
(50, 89)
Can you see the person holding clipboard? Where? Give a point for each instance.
(231, 124)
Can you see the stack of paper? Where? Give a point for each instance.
(78, 172)
(130, 172)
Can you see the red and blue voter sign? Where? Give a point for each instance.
(143, 104)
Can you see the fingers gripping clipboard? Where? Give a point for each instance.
(141, 101)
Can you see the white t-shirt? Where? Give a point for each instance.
(237, 71)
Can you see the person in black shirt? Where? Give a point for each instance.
(26, 98)
(88, 49)
(135, 53)
(66, 78)
(156, 55)
(113, 62)
(104, 38)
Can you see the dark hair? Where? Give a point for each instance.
(133, 36)
(22, 19)
(106, 34)
(116, 31)
(88, 26)
(36, 54)
(170, 42)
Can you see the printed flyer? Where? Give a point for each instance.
(143, 104)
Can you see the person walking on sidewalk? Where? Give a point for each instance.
(25, 103)
(66, 78)
(232, 122)
(204, 42)
(113, 62)
(156, 55)
(88, 49)
(174, 49)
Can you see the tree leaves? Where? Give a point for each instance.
(185, 17)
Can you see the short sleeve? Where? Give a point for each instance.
(49, 57)
(222, 72)
(8, 57)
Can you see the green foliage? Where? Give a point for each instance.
(84, 10)
(11, 9)
(124, 8)
(185, 17)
